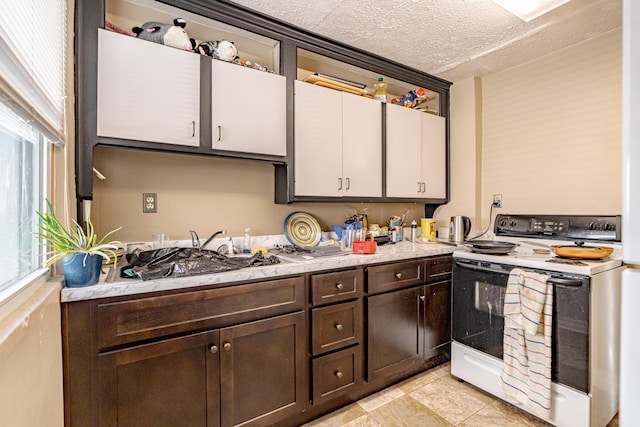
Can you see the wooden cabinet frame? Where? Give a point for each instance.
(90, 15)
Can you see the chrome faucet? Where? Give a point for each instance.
(206, 242)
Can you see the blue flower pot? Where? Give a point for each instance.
(81, 269)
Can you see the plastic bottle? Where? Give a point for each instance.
(246, 242)
(414, 227)
(380, 90)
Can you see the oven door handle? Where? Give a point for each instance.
(564, 282)
(481, 268)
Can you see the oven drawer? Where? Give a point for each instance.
(382, 278)
(336, 374)
(334, 287)
(336, 326)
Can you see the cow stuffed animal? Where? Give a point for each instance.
(166, 34)
(219, 49)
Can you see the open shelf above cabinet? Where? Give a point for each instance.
(310, 63)
(252, 47)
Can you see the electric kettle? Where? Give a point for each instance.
(459, 228)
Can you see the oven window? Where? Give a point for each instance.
(477, 321)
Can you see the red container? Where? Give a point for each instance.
(364, 247)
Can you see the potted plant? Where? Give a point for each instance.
(80, 251)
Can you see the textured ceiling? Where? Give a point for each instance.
(451, 39)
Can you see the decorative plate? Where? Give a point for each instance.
(301, 229)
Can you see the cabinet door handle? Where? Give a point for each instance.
(339, 375)
(424, 187)
(339, 183)
(348, 183)
(419, 186)
(339, 286)
(219, 134)
(193, 128)
(213, 349)
(227, 346)
(339, 326)
(398, 275)
(422, 298)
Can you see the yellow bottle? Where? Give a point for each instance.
(380, 92)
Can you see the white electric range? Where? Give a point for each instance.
(586, 323)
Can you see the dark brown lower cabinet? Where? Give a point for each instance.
(406, 327)
(169, 383)
(263, 371)
(250, 374)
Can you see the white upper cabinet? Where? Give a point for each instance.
(146, 91)
(416, 154)
(248, 110)
(338, 143)
(433, 152)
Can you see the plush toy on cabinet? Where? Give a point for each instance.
(219, 49)
(166, 34)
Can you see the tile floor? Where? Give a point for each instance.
(433, 398)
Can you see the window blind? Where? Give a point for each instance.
(32, 58)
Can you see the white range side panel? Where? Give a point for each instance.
(404, 174)
(630, 349)
(318, 141)
(248, 110)
(361, 146)
(631, 133)
(434, 155)
(147, 91)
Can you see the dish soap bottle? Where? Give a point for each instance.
(246, 242)
(380, 90)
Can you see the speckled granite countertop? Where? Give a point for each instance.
(386, 253)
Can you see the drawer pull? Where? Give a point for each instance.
(339, 286)
(227, 346)
(339, 375)
(339, 326)
(398, 275)
(422, 298)
(213, 349)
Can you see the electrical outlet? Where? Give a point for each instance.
(497, 200)
(149, 202)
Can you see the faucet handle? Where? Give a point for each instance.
(195, 240)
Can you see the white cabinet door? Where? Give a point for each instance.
(434, 157)
(248, 110)
(146, 91)
(404, 176)
(361, 146)
(318, 141)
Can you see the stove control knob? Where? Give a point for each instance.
(513, 223)
(609, 227)
(503, 223)
(593, 226)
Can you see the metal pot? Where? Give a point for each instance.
(490, 247)
(579, 251)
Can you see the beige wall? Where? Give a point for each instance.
(205, 194)
(465, 149)
(552, 132)
(31, 361)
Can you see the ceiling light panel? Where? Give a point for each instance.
(529, 9)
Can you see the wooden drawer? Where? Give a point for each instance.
(397, 275)
(336, 326)
(439, 268)
(336, 374)
(334, 287)
(147, 318)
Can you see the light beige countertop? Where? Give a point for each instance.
(386, 253)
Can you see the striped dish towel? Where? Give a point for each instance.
(526, 368)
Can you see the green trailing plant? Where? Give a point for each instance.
(63, 241)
